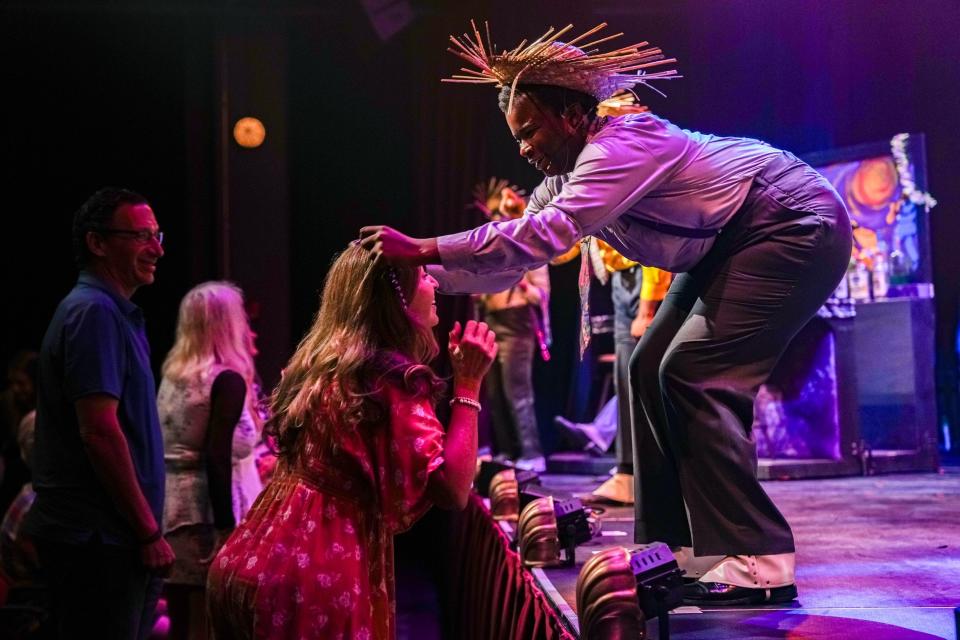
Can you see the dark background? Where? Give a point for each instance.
(361, 131)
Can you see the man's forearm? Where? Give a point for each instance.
(524, 243)
(460, 282)
(647, 309)
(107, 449)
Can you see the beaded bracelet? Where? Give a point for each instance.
(473, 404)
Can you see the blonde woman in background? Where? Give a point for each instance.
(208, 414)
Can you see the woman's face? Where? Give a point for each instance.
(423, 305)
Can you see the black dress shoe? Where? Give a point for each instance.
(721, 594)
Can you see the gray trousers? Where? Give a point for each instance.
(625, 291)
(714, 341)
(509, 384)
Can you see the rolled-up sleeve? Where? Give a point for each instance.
(460, 281)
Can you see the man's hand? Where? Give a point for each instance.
(157, 556)
(396, 248)
(106, 447)
(645, 314)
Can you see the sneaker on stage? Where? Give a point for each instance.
(617, 490)
(583, 436)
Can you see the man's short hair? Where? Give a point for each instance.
(555, 98)
(97, 213)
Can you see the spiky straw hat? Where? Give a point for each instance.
(546, 60)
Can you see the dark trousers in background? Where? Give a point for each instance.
(99, 590)
(510, 383)
(625, 291)
(714, 341)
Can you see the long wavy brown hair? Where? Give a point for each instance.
(361, 338)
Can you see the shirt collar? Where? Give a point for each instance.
(90, 279)
(598, 123)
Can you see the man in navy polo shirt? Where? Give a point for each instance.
(98, 454)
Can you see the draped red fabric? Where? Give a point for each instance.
(491, 595)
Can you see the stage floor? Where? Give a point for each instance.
(877, 558)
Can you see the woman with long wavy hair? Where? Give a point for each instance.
(362, 457)
(208, 413)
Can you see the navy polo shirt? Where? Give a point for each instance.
(95, 344)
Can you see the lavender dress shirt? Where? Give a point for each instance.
(635, 172)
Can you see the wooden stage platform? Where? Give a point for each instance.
(878, 558)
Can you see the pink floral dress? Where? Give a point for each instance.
(314, 556)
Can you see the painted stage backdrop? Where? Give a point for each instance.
(884, 221)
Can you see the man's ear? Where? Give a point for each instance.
(95, 243)
(575, 116)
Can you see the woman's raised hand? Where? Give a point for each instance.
(471, 352)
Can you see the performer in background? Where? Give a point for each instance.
(759, 239)
(637, 292)
(519, 316)
(362, 457)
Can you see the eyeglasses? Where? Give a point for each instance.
(143, 236)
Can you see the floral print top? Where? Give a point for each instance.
(184, 409)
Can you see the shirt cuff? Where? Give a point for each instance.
(455, 251)
(460, 281)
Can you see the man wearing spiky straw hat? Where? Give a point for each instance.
(758, 238)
